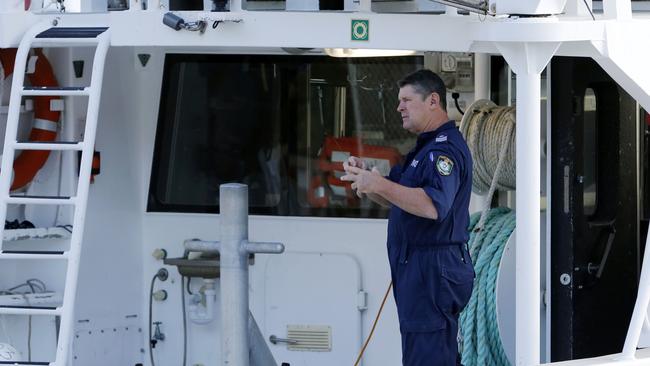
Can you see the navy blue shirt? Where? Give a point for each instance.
(441, 165)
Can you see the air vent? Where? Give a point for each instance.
(315, 338)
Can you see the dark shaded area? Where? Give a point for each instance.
(594, 227)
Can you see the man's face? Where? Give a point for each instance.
(414, 110)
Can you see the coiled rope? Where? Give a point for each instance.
(480, 340)
(490, 134)
(489, 131)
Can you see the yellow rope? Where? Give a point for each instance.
(383, 302)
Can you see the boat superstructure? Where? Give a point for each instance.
(274, 94)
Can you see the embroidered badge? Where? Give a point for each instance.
(441, 138)
(444, 165)
(414, 163)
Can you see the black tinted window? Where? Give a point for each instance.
(281, 125)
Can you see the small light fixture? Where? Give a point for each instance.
(366, 52)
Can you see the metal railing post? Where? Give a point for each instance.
(234, 249)
(233, 202)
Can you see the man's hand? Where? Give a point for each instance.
(363, 181)
(355, 162)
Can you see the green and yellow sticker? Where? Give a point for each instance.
(444, 165)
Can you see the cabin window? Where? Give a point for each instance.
(590, 136)
(280, 124)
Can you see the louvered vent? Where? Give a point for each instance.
(315, 338)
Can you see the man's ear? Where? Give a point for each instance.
(435, 100)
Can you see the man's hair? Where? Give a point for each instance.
(425, 82)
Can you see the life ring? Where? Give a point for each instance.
(44, 126)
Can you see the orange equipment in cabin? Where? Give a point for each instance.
(327, 186)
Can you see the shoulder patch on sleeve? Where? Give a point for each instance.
(444, 165)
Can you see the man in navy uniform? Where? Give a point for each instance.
(429, 196)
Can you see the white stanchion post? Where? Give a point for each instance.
(528, 224)
(481, 76)
(528, 60)
(233, 205)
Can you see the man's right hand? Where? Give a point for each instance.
(356, 162)
(353, 174)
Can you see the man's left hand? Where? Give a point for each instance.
(363, 181)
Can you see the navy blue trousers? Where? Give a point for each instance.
(431, 286)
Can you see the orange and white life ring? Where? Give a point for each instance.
(45, 124)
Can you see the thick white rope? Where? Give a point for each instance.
(490, 134)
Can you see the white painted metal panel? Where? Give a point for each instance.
(108, 346)
(328, 284)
